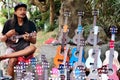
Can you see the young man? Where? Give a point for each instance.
(20, 25)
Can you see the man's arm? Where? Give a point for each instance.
(7, 35)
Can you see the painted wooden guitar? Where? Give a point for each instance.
(90, 38)
(58, 59)
(39, 71)
(63, 68)
(76, 39)
(45, 66)
(94, 53)
(111, 57)
(15, 38)
(78, 72)
(97, 63)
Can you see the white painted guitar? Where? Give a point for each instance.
(91, 59)
(95, 57)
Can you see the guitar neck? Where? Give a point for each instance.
(94, 21)
(45, 74)
(95, 41)
(80, 55)
(111, 51)
(19, 36)
(65, 53)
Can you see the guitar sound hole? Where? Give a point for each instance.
(91, 63)
(76, 54)
(110, 71)
(60, 60)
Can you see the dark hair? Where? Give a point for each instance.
(14, 20)
(20, 5)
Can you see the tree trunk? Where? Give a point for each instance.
(51, 12)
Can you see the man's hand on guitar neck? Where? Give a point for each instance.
(30, 37)
(4, 37)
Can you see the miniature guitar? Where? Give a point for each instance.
(90, 38)
(19, 70)
(58, 59)
(97, 63)
(63, 33)
(15, 38)
(76, 40)
(45, 66)
(39, 71)
(78, 72)
(33, 62)
(93, 59)
(63, 68)
(111, 57)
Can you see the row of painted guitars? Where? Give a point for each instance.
(76, 64)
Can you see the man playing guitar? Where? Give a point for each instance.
(21, 25)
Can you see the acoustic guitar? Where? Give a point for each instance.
(93, 59)
(90, 38)
(58, 59)
(78, 72)
(45, 66)
(15, 38)
(76, 40)
(39, 71)
(97, 63)
(111, 57)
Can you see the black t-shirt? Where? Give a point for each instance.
(28, 27)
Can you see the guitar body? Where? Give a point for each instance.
(58, 59)
(90, 60)
(90, 38)
(115, 59)
(115, 65)
(78, 72)
(113, 76)
(93, 76)
(74, 57)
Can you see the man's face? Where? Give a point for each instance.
(21, 12)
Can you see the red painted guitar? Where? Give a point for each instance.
(111, 56)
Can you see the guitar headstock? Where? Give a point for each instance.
(113, 29)
(39, 69)
(80, 13)
(45, 63)
(95, 30)
(82, 42)
(95, 12)
(67, 13)
(33, 61)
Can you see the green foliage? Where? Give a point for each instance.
(2, 19)
(50, 27)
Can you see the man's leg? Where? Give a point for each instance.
(25, 52)
(10, 68)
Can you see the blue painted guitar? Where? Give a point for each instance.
(76, 40)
